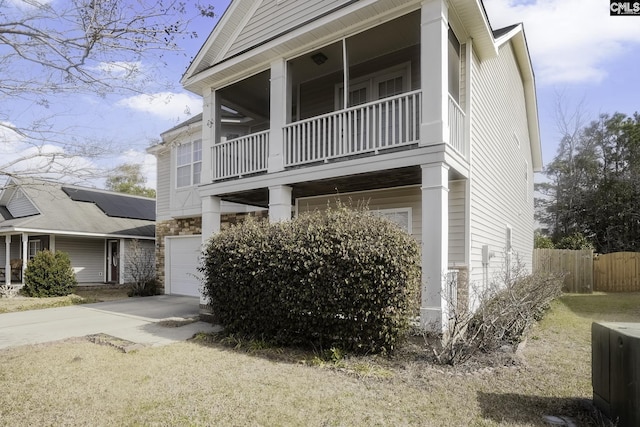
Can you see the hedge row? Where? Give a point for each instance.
(342, 277)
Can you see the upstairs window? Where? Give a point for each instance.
(188, 164)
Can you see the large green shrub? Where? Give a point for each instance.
(49, 274)
(343, 278)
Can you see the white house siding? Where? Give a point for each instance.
(501, 191)
(456, 222)
(87, 257)
(163, 185)
(20, 206)
(404, 197)
(289, 13)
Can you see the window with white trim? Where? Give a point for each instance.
(34, 247)
(188, 163)
(399, 216)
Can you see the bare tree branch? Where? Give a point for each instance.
(92, 47)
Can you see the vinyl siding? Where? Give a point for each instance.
(274, 17)
(87, 257)
(20, 206)
(456, 222)
(163, 185)
(405, 197)
(500, 194)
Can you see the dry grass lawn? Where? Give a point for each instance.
(82, 295)
(205, 382)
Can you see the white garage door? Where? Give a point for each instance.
(181, 265)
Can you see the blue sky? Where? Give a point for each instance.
(576, 48)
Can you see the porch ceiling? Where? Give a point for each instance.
(340, 185)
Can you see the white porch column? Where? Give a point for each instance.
(7, 259)
(25, 254)
(434, 45)
(435, 244)
(210, 124)
(279, 203)
(278, 114)
(122, 260)
(211, 214)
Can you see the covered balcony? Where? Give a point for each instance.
(298, 110)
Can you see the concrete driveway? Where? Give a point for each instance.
(139, 320)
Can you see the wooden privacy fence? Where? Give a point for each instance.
(577, 266)
(586, 272)
(617, 272)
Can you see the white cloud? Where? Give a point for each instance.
(165, 105)
(571, 41)
(148, 162)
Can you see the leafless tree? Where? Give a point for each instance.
(95, 47)
(140, 268)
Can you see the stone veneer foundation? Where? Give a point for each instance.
(189, 227)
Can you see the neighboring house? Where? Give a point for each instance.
(95, 227)
(439, 130)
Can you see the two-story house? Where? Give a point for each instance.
(418, 107)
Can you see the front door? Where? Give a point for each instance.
(113, 259)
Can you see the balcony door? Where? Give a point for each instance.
(378, 125)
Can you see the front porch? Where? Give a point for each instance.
(370, 129)
(431, 198)
(406, 82)
(15, 248)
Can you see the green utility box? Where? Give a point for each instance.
(615, 371)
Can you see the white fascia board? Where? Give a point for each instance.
(475, 20)
(400, 159)
(259, 58)
(187, 130)
(208, 44)
(77, 233)
(517, 37)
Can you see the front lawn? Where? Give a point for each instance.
(82, 295)
(208, 382)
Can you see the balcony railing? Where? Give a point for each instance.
(241, 156)
(456, 127)
(367, 128)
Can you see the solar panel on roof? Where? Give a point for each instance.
(115, 205)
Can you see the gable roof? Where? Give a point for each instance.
(242, 42)
(240, 46)
(74, 210)
(515, 35)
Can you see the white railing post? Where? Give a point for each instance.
(395, 121)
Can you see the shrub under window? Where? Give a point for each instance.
(342, 278)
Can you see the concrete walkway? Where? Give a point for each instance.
(139, 320)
